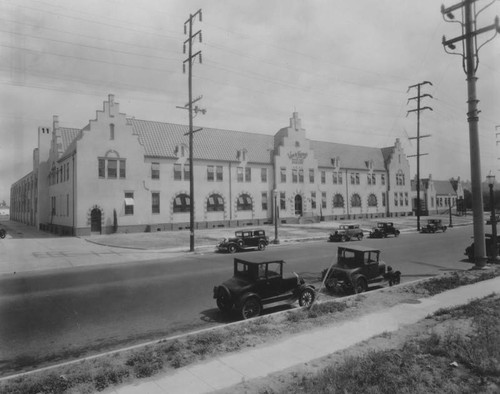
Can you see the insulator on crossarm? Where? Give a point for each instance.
(200, 36)
(200, 58)
(200, 16)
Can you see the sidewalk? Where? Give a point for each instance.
(223, 372)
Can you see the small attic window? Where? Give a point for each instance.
(241, 155)
(111, 131)
(335, 162)
(181, 150)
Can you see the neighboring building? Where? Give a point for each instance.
(123, 174)
(436, 196)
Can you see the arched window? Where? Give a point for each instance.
(372, 200)
(338, 201)
(355, 200)
(244, 203)
(182, 203)
(215, 203)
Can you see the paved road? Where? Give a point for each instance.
(48, 316)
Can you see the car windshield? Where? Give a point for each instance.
(347, 258)
(242, 269)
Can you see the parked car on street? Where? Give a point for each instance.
(433, 225)
(384, 229)
(255, 284)
(469, 250)
(357, 268)
(346, 232)
(244, 239)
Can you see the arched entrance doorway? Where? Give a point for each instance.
(95, 221)
(298, 204)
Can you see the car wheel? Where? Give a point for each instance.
(261, 246)
(251, 308)
(224, 302)
(306, 297)
(360, 286)
(444, 229)
(231, 248)
(396, 234)
(360, 237)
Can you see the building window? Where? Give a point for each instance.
(294, 175)
(282, 201)
(311, 175)
(264, 201)
(215, 203)
(395, 199)
(383, 199)
(263, 174)
(301, 175)
(406, 198)
(129, 203)
(177, 172)
(338, 201)
(248, 174)
(401, 199)
(323, 177)
(239, 174)
(244, 203)
(283, 174)
(181, 150)
(111, 131)
(313, 200)
(354, 178)
(182, 203)
(355, 201)
(155, 202)
(382, 179)
(371, 179)
(210, 173)
(155, 170)
(372, 200)
(123, 169)
(323, 199)
(432, 202)
(187, 172)
(112, 167)
(102, 168)
(218, 171)
(400, 178)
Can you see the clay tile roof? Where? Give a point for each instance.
(351, 156)
(444, 187)
(160, 140)
(67, 136)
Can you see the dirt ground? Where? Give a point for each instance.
(282, 381)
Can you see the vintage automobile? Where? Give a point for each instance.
(356, 269)
(384, 229)
(346, 232)
(433, 225)
(244, 239)
(255, 284)
(469, 250)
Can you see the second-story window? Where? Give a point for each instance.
(311, 175)
(112, 167)
(283, 174)
(177, 172)
(263, 174)
(210, 173)
(155, 170)
(239, 174)
(248, 174)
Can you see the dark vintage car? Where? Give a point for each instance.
(244, 239)
(469, 250)
(356, 269)
(255, 284)
(383, 230)
(433, 225)
(346, 232)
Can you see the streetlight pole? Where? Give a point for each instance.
(449, 206)
(493, 219)
(275, 195)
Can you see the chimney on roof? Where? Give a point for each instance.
(55, 122)
(111, 99)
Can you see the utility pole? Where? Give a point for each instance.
(470, 62)
(418, 97)
(188, 29)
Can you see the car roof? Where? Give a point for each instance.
(258, 262)
(250, 229)
(359, 248)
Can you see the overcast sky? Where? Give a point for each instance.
(344, 66)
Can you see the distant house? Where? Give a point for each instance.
(436, 196)
(118, 173)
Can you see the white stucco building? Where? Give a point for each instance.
(120, 174)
